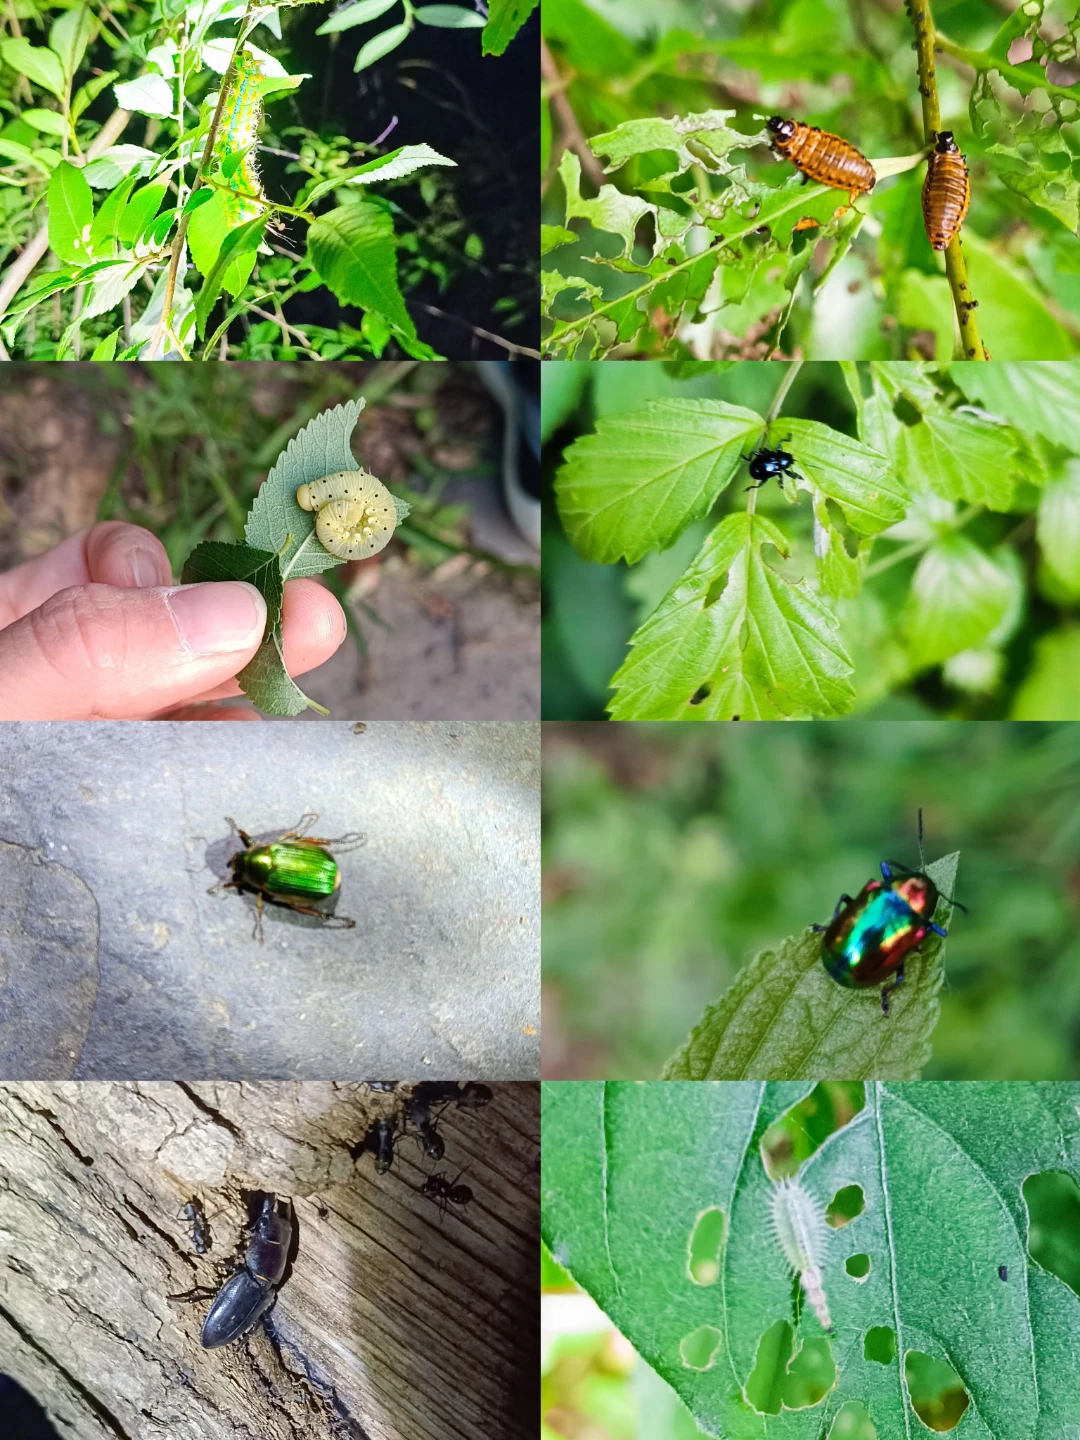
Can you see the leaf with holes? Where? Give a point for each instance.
(842, 469)
(784, 1016)
(736, 639)
(656, 1199)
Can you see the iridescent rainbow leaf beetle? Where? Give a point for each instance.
(766, 463)
(869, 937)
(295, 871)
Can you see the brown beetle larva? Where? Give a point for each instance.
(355, 513)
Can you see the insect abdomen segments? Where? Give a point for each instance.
(828, 159)
(946, 192)
(800, 1229)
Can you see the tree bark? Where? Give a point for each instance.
(393, 1322)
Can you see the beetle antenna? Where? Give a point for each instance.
(922, 860)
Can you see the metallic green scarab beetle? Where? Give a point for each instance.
(295, 871)
(355, 513)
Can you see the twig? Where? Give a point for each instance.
(955, 266)
(791, 370)
(38, 243)
(571, 134)
(284, 325)
(476, 330)
(180, 237)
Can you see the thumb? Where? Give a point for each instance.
(98, 652)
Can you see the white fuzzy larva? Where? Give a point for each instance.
(801, 1232)
(355, 513)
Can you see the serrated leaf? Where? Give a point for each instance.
(628, 1170)
(640, 137)
(148, 94)
(735, 639)
(843, 469)
(959, 595)
(639, 479)
(839, 574)
(264, 680)
(784, 1016)
(406, 160)
(354, 251)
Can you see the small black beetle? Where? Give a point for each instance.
(246, 1296)
(766, 463)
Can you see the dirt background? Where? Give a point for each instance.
(460, 641)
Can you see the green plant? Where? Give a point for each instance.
(173, 248)
(657, 1200)
(665, 235)
(500, 21)
(939, 553)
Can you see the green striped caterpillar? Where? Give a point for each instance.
(355, 513)
(238, 132)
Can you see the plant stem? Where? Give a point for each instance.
(571, 134)
(916, 547)
(955, 267)
(791, 370)
(979, 60)
(180, 237)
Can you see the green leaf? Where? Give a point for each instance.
(237, 244)
(552, 236)
(264, 680)
(209, 230)
(104, 232)
(1044, 397)
(736, 639)
(709, 131)
(357, 14)
(88, 93)
(404, 161)
(1058, 526)
(119, 161)
(35, 62)
(612, 211)
(450, 17)
(139, 211)
(640, 479)
(354, 250)
(69, 37)
(784, 1016)
(110, 286)
(49, 122)
(505, 19)
(106, 349)
(629, 1172)
(1051, 688)
(843, 469)
(71, 214)
(959, 595)
(22, 155)
(381, 44)
(147, 94)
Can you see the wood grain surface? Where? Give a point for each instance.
(393, 1323)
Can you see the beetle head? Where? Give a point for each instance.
(779, 128)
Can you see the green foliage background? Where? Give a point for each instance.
(932, 569)
(673, 855)
(629, 1170)
(875, 289)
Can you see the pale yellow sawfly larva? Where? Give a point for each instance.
(355, 513)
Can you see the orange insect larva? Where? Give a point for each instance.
(946, 191)
(828, 159)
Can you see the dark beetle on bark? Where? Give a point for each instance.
(246, 1296)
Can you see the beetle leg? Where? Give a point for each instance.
(759, 483)
(243, 835)
(304, 823)
(887, 990)
(938, 930)
(257, 933)
(844, 900)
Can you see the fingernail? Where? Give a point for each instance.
(216, 618)
(146, 567)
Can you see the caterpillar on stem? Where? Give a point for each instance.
(238, 133)
(801, 1232)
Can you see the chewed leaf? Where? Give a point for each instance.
(734, 639)
(630, 1172)
(784, 1016)
(845, 470)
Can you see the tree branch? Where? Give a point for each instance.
(571, 135)
(955, 266)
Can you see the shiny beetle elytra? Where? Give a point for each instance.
(246, 1296)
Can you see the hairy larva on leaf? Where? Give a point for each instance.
(801, 1232)
(355, 513)
(238, 134)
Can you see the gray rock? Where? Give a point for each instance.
(115, 962)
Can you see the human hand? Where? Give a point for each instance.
(96, 630)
